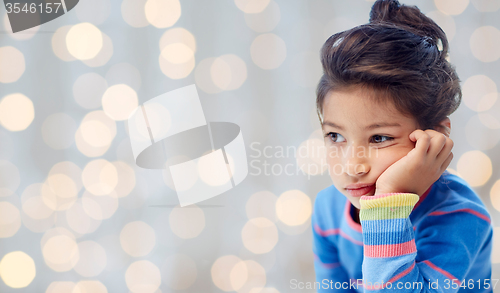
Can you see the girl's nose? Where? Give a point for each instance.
(357, 163)
(356, 168)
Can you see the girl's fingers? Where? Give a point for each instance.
(447, 162)
(443, 155)
(438, 141)
(422, 141)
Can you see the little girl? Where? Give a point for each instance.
(394, 218)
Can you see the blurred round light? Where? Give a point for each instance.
(475, 168)
(104, 54)
(137, 239)
(126, 178)
(17, 269)
(177, 53)
(59, 44)
(60, 253)
(179, 271)
(178, 35)
(495, 195)
(119, 101)
(228, 72)
(238, 275)
(62, 185)
(256, 276)
(16, 111)
(143, 277)
(251, 6)
(89, 286)
(293, 207)
(485, 43)
(92, 259)
(84, 41)
(61, 287)
(451, 7)
(478, 91)
(221, 270)
(79, 221)
(32, 202)
(10, 219)
(69, 169)
(53, 192)
(163, 13)
(266, 20)
(12, 64)
(489, 120)
(259, 235)
(203, 76)
(268, 51)
(262, 204)
(38, 225)
(133, 13)
(83, 142)
(100, 177)
(96, 133)
(100, 207)
(188, 222)
(176, 70)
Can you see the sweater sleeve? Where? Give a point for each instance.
(446, 250)
(327, 267)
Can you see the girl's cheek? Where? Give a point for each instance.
(387, 157)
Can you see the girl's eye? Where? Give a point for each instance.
(381, 138)
(335, 137)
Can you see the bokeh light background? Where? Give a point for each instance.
(77, 215)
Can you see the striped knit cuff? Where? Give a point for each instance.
(387, 206)
(387, 230)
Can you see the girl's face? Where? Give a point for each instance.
(362, 139)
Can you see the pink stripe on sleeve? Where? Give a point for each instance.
(390, 250)
(445, 273)
(336, 231)
(470, 211)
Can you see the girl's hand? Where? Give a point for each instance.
(421, 167)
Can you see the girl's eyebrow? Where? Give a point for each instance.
(383, 124)
(373, 126)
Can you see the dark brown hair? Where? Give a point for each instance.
(400, 55)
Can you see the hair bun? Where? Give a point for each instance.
(384, 10)
(409, 18)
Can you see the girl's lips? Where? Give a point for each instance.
(360, 191)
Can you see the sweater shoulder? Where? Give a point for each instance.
(452, 194)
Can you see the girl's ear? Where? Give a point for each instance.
(444, 127)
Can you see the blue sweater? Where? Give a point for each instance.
(439, 242)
